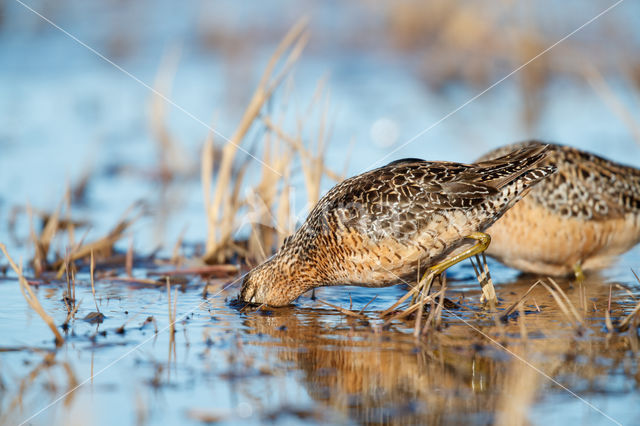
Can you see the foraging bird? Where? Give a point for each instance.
(577, 220)
(387, 225)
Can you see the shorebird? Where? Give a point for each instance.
(577, 220)
(388, 225)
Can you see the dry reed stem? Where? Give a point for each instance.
(624, 324)
(574, 311)
(625, 289)
(103, 244)
(171, 317)
(607, 312)
(414, 307)
(297, 144)
(31, 298)
(564, 307)
(72, 313)
(262, 238)
(128, 262)
(313, 165)
(440, 307)
(176, 259)
(284, 225)
(294, 41)
(430, 319)
(206, 175)
(227, 222)
(43, 241)
(365, 306)
(343, 310)
(422, 284)
(418, 328)
(69, 301)
(514, 305)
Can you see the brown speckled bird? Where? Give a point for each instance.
(390, 224)
(577, 220)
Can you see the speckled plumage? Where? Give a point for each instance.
(582, 217)
(378, 228)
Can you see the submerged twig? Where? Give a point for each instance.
(343, 310)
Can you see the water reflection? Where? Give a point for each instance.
(459, 373)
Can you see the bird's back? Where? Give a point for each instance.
(377, 227)
(586, 213)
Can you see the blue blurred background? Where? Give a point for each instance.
(392, 69)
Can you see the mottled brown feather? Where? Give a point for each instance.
(374, 229)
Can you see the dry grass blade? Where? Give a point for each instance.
(170, 311)
(625, 289)
(562, 304)
(343, 310)
(624, 324)
(128, 264)
(426, 280)
(514, 305)
(102, 245)
(572, 308)
(43, 241)
(414, 307)
(365, 306)
(418, 328)
(31, 298)
(71, 313)
(607, 312)
(284, 224)
(438, 312)
(206, 176)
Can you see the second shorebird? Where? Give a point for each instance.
(578, 220)
(386, 226)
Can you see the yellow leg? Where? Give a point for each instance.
(579, 273)
(483, 241)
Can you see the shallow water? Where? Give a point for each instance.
(63, 112)
(310, 362)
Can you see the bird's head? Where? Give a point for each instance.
(277, 282)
